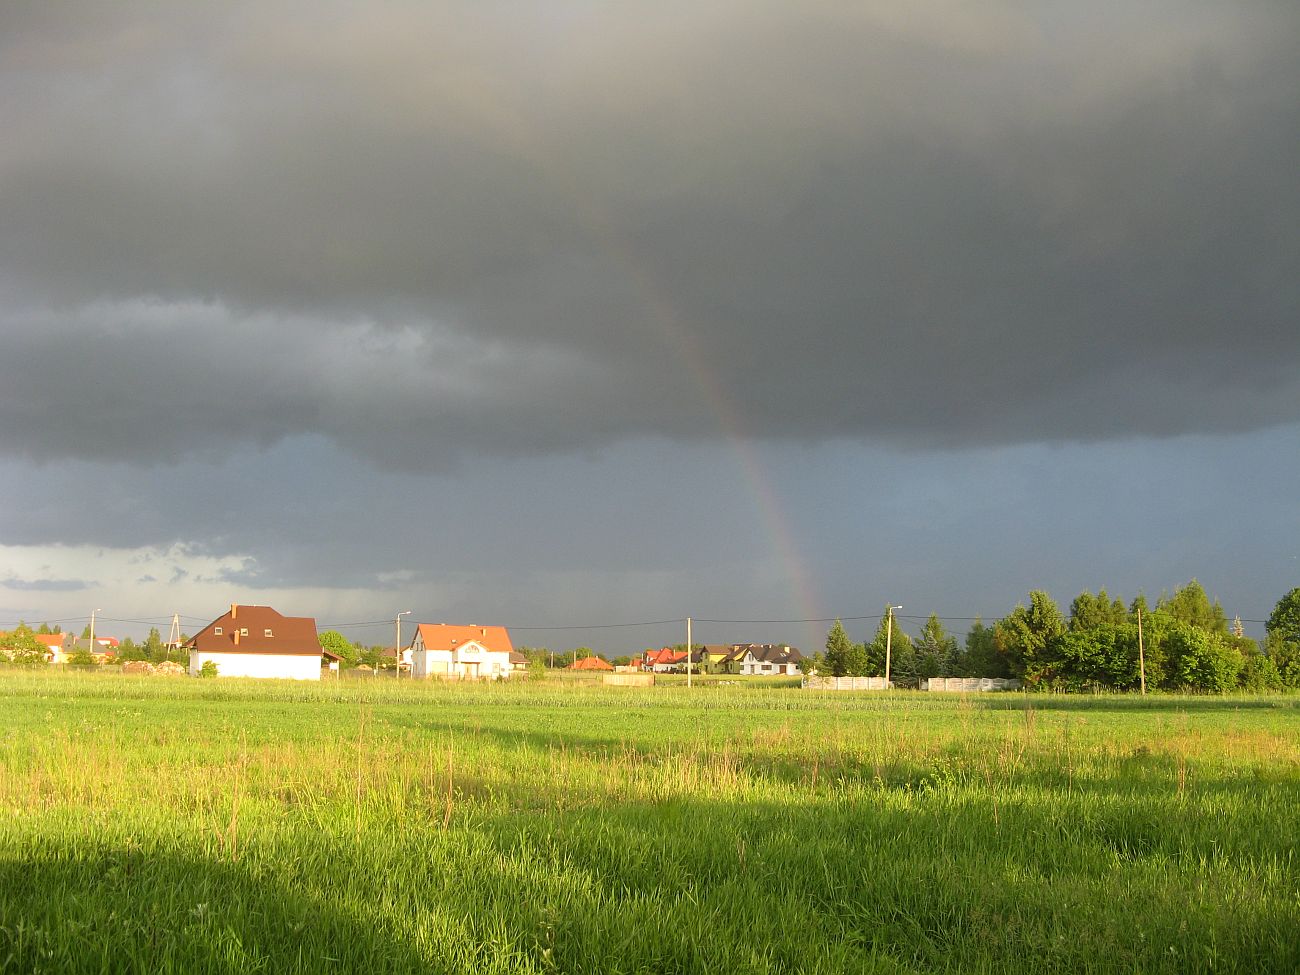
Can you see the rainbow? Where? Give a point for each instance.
(520, 137)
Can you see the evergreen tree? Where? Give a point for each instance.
(900, 651)
(1027, 638)
(838, 650)
(936, 651)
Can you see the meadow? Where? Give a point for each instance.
(179, 825)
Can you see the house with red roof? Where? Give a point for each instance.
(57, 646)
(591, 663)
(455, 652)
(256, 641)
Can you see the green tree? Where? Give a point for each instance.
(154, 649)
(1192, 605)
(1285, 655)
(1285, 618)
(1027, 638)
(1088, 612)
(209, 669)
(128, 649)
(339, 645)
(1282, 642)
(1259, 673)
(898, 647)
(19, 646)
(1200, 659)
(981, 657)
(936, 651)
(838, 650)
(1105, 655)
(44, 629)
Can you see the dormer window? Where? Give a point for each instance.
(267, 632)
(216, 631)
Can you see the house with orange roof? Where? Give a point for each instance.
(455, 652)
(591, 663)
(57, 646)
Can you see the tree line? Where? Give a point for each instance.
(1184, 642)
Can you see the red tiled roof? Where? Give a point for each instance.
(243, 630)
(446, 636)
(591, 663)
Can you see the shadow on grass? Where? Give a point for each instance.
(1134, 704)
(126, 911)
(670, 886)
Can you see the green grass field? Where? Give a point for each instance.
(177, 825)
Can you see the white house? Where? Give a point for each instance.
(444, 650)
(256, 641)
(766, 659)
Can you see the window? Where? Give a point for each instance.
(267, 632)
(243, 631)
(216, 631)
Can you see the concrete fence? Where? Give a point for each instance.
(969, 684)
(630, 680)
(814, 682)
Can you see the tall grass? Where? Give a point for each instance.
(218, 826)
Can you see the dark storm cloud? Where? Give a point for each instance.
(421, 232)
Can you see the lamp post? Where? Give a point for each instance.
(889, 640)
(92, 628)
(397, 646)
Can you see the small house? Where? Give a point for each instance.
(256, 641)
(460, 652)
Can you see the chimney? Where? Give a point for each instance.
(234, 610)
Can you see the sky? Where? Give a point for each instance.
(565, 315)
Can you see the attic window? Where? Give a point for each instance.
(243, 631)
(216, 631)
(267, 632)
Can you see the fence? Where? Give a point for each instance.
(967, 684)
(814, 682)
(630, 680)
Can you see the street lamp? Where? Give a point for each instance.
(92, 628)
(889, 640)
(397, 647)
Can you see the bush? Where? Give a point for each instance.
(209, 669)
(1259, 673)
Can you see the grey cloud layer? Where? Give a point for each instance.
(491, 228)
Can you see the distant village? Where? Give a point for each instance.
(258, 641)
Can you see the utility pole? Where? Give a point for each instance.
(92, 629)
(174, 634)
(1142, 655)
(688, 651)
(889, 640)
(397, 647)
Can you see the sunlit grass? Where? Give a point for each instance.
(153, 824)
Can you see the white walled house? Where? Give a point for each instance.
(460, 652)
(765, 660)
(256, 641)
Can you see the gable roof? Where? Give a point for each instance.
(770, 653)
(243, 630)
(447, 636)
(591, 663)
(55, 641)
